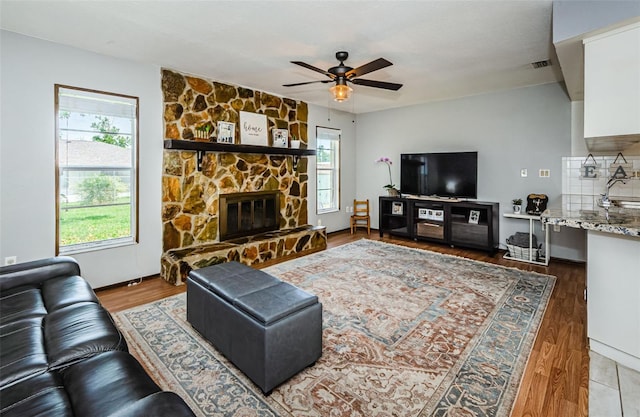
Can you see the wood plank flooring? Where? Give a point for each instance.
(556, 380)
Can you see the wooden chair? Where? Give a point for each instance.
(361, 216)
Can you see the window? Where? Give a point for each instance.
(96, 169)
(328, 169)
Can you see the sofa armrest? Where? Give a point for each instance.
(38, 271)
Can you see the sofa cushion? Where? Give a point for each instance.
(60, 292)
(41, 395)
(162, 403)
(21, 302)
(112, 384)
(105, 383)
(27, 301)
(23, 351)
(80, 331)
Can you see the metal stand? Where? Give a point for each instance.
(545, 230)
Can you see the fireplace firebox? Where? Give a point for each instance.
(250, 213)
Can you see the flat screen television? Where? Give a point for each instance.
(443, 174)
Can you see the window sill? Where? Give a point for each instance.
(96, 246)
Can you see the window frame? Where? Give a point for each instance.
(134, 204)
(335, 168)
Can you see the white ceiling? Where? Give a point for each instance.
(440, 49)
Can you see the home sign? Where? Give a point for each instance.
(253, 129)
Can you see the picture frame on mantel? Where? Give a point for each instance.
(280, 138)
(226, 132)
(253, 129)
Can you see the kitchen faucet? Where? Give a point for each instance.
(605, 201)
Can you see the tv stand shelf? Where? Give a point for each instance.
(470, 224)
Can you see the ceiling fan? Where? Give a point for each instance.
(343, 74)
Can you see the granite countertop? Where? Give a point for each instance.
(577, 212)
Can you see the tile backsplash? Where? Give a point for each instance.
(587, 190)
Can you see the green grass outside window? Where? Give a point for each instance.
(92, 224)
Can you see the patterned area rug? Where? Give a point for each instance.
(407, 332)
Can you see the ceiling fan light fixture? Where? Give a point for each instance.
(341, 92)
(343, 74)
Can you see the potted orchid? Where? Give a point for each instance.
(391, 188)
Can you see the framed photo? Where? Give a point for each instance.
(226, 132)
(474, 216)
(253, 129)
(397, 207)
(280, 138)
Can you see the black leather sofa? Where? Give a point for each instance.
(61, 353)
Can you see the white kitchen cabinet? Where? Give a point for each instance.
(613, 296)
(612, 84)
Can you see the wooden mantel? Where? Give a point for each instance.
(201, 147)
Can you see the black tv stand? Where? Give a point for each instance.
(470, 224)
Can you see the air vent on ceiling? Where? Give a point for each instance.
(541, 64)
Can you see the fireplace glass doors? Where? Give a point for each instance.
(246, 214)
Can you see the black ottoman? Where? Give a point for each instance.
(269, 329)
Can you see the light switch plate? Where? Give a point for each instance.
(544, 173)
(523, 172)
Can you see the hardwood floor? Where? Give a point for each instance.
(556, 380)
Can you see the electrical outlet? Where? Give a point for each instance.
(523, 172)
(10, 260)
(544, 173)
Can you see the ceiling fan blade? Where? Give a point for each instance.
(308, 82)
(312, 68)
(367, 68)
(377, 84)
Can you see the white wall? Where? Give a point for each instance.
(30, 68)
(574, 18)
(335, 119)
(578, 144)
(524, 128)
(521, 128)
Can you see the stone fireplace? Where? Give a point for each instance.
(247, 214)
(191, 194)
(198, 186)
